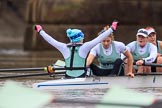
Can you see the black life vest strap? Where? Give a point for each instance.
(72, 57)
(73, 45)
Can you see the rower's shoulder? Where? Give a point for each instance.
(151, 44)
(119, 44)
(133, 43)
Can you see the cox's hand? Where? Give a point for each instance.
(114, 25)
(38, 28)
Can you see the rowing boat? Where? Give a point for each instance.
(140, 81)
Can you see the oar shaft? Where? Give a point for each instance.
(22, 69)
(28, 75)
(153, 65)
(152, 73)
(41, 69)
(150, 64)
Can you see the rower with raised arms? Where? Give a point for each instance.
(142, 52)
(76, 51)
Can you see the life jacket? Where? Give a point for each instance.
(75, 64)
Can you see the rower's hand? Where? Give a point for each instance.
(114, 25)
(130, 74)
(88, 71)
(38, 28)
(140, 62)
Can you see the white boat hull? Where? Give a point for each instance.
(101, 82)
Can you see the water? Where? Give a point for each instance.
(22, 59)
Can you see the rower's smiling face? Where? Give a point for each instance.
(142, 40)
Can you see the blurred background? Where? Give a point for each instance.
(18, 17)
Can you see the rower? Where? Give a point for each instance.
(78, 57)
(108, 54)
(152, 38)
(142, 52)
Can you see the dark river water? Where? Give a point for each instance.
(24, 59)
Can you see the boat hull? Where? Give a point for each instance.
(101, 82)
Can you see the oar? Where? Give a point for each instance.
(40, 69)
(152, 73)
(59, 63)
(151, 64)
(29, 75)
(12, 92)
(23, 69)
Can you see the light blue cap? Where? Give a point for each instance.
(75, 35)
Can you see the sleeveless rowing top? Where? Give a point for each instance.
(77, 62)
(137, 56)
(106, 61)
